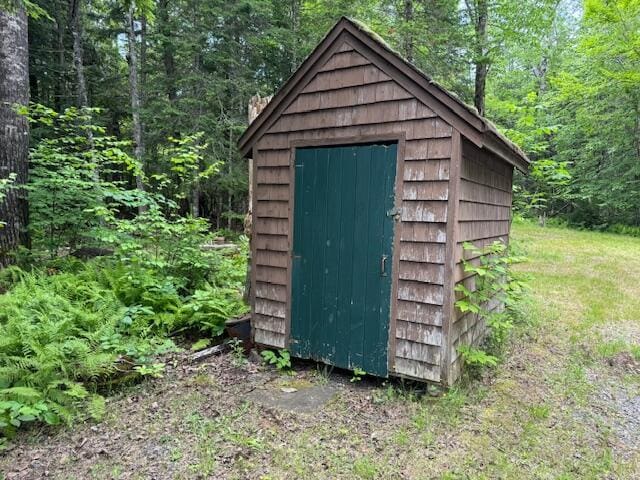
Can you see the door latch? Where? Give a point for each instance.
(383, 265)
(395, 212)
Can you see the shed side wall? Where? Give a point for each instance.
(484, 216)
(350, 98)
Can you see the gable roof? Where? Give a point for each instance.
(449, 107)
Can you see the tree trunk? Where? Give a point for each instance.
(60, 90)
(481, 61)
(168, 58)
(195, 198)
(295, 29)
(14, 129)
(138, 141)
(407, 16)
(143, 60)
(78, 54)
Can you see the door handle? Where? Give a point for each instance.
(383, 265)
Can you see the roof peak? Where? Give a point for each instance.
(363, 39)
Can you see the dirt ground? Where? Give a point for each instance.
(564, 404)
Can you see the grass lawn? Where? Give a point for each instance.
(564, 404)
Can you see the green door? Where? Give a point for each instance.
(342, 246)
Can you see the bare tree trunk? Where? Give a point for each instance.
(135, 99)
(14, 129)
(78, 64)
(481, 61)
(60, 90)
(195, 198)
(143, 60)
(295, 29)
(78, 54)
(407, 16)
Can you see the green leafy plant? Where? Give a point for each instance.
(477, 358)
(155, 370)
(281, 359)
(494, 291)
(358, 373)
(207, 310)
(237, 352)
(200, 344)
(73, 167)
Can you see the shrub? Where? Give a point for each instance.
(494, 281)
(61, 338)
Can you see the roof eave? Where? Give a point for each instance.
(510, 154)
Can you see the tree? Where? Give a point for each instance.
(478, 13)
(144, 9)
(14, 131)
(78, 52)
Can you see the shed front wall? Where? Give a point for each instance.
(350, 100)
(483, 217)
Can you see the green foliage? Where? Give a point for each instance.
(477, 358)
(208, 309)
(281, 359)
(62, 337)
(237, 352)
(200, 344)
(358, 373)
(67, 179)
(494, 287)
(154, 370)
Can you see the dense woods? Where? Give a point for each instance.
(560, 77)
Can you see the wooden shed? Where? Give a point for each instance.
(367, 179)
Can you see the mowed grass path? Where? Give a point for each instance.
(563, 404)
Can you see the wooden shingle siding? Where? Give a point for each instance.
(424, 211)
(270, 308)
(273, 175)
(421, 313)
(271, 291)
(390, 111)
(412, 129)
(415, 332)
(266, 337)
(422, 252)
(351, 98)
(417, 369)
(278, 243)
(418, 351)
(484, 216)
(348, 97)
(271, 192)
(423, 232)
(345, 59)
(275, 275)
(426, 170)
(272, 209)
(271, 258)
(421, 272)
(346, 77)
(271, 226)
(425, 190)
(420, 292)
